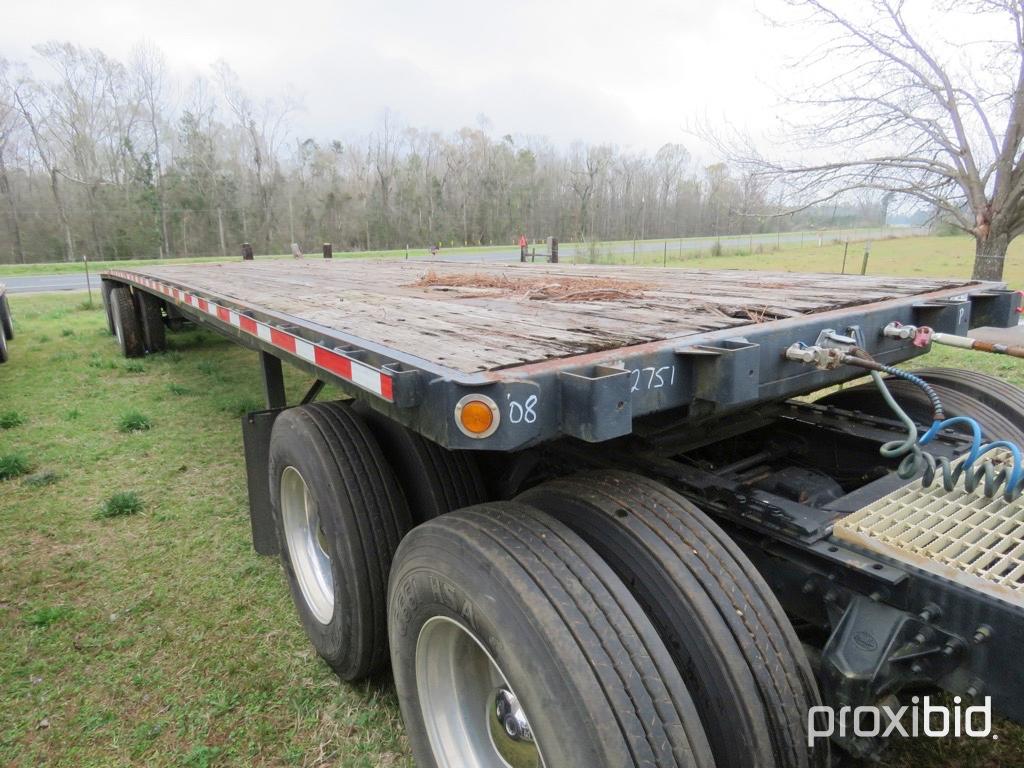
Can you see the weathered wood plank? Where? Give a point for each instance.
(473, 328)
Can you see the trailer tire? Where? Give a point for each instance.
(996, 424)
(153, 331)
(501, 601)
(6, 318)
(1001, 396)
(334, 496)
(4, 354)
(730, 638)
(435, 480)
(108, 305)
(126, 322)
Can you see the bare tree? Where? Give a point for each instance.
(32, 102)
(911, 115)
(586, 170)
(150, 70)
(264, 128)
(10, 122)
(384, 152)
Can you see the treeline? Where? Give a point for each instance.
(115, 159)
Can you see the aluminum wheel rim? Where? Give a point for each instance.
(462, 691)
(307, 545)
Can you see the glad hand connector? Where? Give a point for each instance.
(822, 358)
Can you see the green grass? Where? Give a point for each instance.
(11, 419)
(40, 479)
(121, 504)
(13, 465)
(160, 638)
(133, 421)
(907, 256)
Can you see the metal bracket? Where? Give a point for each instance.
(831, 339)
(946, 316)
(273, 381)
(875, 651)
(596, 404)
(727, 373)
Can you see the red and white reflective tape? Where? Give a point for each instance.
(360, 374)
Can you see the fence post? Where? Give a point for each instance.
(328, 251)
(664, 261)
(867, 253)
(846, 249)
(88, 280)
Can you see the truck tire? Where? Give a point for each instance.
(499, 608)
(999, 395)
(434, 479)
(108, 305)
(736, 650)
(4, 355)
(995, 423)
(126, 322)
(339, 516)
(6, 318)
(152, 321)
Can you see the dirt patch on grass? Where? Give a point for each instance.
(551, 288)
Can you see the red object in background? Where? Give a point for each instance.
(522, 241)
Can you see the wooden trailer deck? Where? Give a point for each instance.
(483, 317)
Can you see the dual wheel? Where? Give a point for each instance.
(599, 620)
(135, 319)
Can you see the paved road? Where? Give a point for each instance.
(44, 283)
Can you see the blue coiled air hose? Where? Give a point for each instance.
(915, 459)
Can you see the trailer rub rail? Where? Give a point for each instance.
(360, 374)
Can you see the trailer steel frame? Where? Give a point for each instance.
(596, 396)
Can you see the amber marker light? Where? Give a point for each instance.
(477, 416)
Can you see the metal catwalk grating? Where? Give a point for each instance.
(961, 535)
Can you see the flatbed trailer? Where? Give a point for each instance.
(646, 420)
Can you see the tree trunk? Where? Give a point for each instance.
(62, 214)
(160, 195)
(12, 214)
(220, 230)
(989, 256)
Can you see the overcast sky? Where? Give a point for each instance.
(632, 73)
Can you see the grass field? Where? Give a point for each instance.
(911, 256)
(142, 629)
